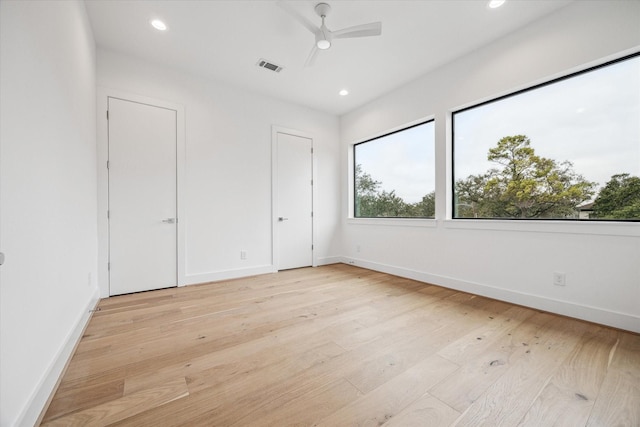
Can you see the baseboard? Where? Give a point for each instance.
(194, 279)
(614, 319)
(328, 260)
(37, 406)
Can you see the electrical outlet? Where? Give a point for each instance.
(243, 254)
(559, 279)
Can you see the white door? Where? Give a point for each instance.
(142, 197)
(294, 201)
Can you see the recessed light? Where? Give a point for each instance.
(343, 92)
(159, 25)
(493, 4)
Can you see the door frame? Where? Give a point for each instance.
(102, 155)
(275, 237)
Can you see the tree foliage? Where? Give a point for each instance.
(522, 185)
(373, 202)
(619, 199)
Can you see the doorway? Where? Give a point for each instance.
(142, 196)
(292, 199)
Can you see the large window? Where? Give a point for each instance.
(568, 149)
(394, 174)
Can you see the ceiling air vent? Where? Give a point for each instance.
(269, 66)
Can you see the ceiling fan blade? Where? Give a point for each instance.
(301, 19)
(364, 30)
(311, 59)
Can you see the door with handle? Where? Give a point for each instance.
(142, 197)
(294, 201)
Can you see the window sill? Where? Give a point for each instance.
(395, 222)
(626, 229)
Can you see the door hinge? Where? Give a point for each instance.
(311, 182)
(311, 150)
(107, 164)
(311, 247)
(311, 214)
(108, 266)
(108, 214)
(107, 114)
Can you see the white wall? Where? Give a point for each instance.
(502, 259)
(48, 197)
(227, 186)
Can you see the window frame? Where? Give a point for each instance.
(400, 220)
(510, 95)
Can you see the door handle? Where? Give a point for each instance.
(170, 220)
(282, 219)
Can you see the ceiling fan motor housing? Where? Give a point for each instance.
(322, 9)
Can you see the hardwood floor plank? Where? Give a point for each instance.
(382, 404)
(568, 398)
(507, 400)
(124, 407)
(375, 372)
(472, 345)
(426, 411)
(340, 345)
(487, 361)
(306, 409)
(274, 368)
(253, 390)
(80, 398)
(618, 401)
(210, 336)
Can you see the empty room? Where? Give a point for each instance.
(307, 213)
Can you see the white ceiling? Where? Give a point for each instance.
(224, 40)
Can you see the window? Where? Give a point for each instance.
(567, 149)
(394, 174)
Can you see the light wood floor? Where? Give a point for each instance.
(343, 346)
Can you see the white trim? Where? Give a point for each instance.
(395, 222)
(102, 95)
(329, 260)
(596, 228)
(615, 319)
(275, 238)
(196, 279)
(39, 401)
(622, 229)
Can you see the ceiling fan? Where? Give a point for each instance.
(324, 36)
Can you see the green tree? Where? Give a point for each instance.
(470, 197)
(372, 202)
(367, 193)
(365, 184)
(425, 208)
(619, 199)
(388, 204)
(523, 185)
